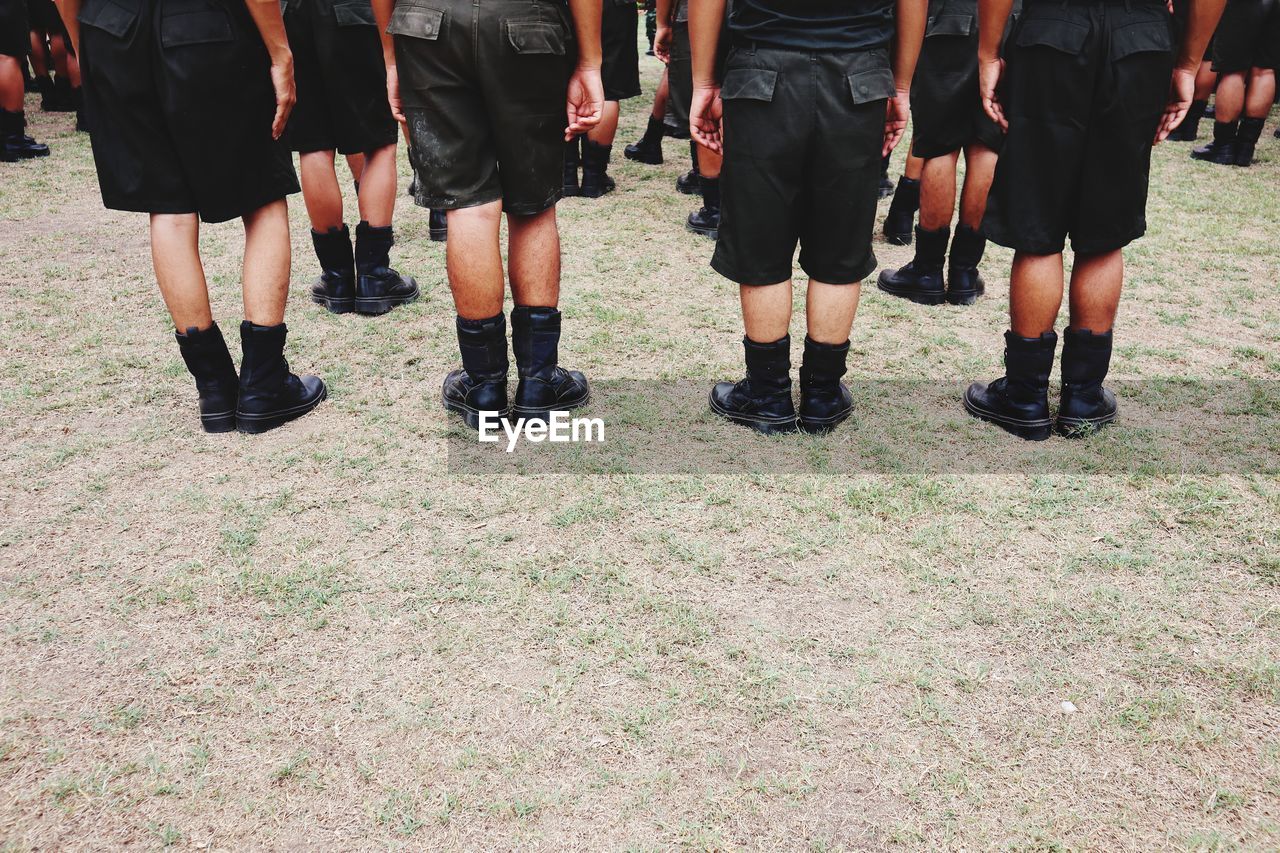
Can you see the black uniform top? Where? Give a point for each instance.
(813, 24)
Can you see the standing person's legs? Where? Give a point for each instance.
(648, 149)
(901, 216)
(320, 190)
(265, 285)
(14, 45)
(474, 261)
(620, 75)
(175, 254)
(1260, 96)
(921, 280)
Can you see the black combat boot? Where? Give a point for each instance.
(1247, 140)
(335, 289)
(964, 284)
(921, 279)
(269, 394)
(1222, 150)
(707, 220)
(544, 385)
(649, 148)
(761, 400)
(1018, 402)
(824, 399)
(14, 143)
(902, 212)
(1086, 406)
(205, 353)
(438, 226)
(886, 185)
(572, 159)
(48, 100)
(687, 183)
(379, 288)
(62, 99)
(480, 385)
(595, 169)
(1190, 127)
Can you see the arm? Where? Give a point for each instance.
(993, 15)
(70, 12)
(1202, 20)
(382, 10)
(270, 24)
(586, 92)
(706, 19)
(910, 16)
(662, 35)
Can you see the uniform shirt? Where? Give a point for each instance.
(813, 24)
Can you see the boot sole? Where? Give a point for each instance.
(377, 306)
(964, 297)
(334, 306)
(913, 296)
(765, 426)
(713, 233)
(593, 194)
(219, 421)
(17, 158)
(1037, 430)
(535, 415)
(823, 426)
(897, 239)
(470, 416)
(648, 161)
(1082, 427)
(683, 190)
(254, 424)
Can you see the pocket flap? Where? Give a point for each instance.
(356, 14)
(754, 84)
(1144, 37)
(207, 26)
(1065, 36)
(536, 37)
(950, 25)
(872, 78)
(417, 22)
(109, 17)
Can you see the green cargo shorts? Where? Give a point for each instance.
(483, 88)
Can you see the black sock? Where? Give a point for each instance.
(1225, 131)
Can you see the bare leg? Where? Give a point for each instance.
(474, 261)
(709, 163)
(355, 162)
(1096, 281)
(38, 63)
(10, 84)
(830, 309)
(175, 254)
(58, 52)
(378, 187)
(1205, 78)
(1230, 98)
(1035, 293)
(266, 264)
(979, 171)
(766, 311)
(660, 97)
(938, 191)
(320, 190)
(534, 259)
(604, 132)
(1261, 93)
(914, 167)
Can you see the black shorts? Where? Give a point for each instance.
(680, 79)
(946, 109)
(15, 29)
(341, 78)
(180, 98)
(483, 86)
(1248, 36)
(1084, 91)
(620, 68)
(45, 18)
(803, 133)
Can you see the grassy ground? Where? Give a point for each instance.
(333, 636)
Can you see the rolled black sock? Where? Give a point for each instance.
(1249, 131)
(1225, 131)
